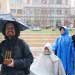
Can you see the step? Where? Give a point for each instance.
(38, 40)
(40, 34)
(34, 37)
(37, 44)
(27, 33)
(24, 36)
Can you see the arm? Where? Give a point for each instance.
(1, 57)
(55, 45)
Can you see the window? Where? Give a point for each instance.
(59, 11)
(44, 1)
(43, 12)
(15, 1)
(51, 2)
(19, 11)
(51, 22)
(28, 12)
(67, 11)
(58, 23)
(13, 11)
(52, 11)
(37, 11)
(58, 1)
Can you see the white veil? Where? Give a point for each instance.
(47, 64)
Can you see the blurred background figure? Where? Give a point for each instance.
(73, 41)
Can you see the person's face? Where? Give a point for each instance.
(62, 31)
(10, 30)
(46, 50)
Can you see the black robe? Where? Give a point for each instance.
(21, 54)
(73, 38)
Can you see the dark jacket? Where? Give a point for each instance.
(21, 55)
(73, 38)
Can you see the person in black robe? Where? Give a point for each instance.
(15, 55)
(73, 51)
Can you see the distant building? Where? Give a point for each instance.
(4, 6)
(47, 12)
(73, 12)
(16, 9)
(43, 13)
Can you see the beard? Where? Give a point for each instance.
(10, 35)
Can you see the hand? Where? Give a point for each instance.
(7, 61)
(11, 64)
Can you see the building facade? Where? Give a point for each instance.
(43, 13)
(47, 12)
(4, 6)
(73, 12)
(16, 9)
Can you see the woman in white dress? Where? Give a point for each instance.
(47, 63)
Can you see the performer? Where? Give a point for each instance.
(47, 63)
(63, 49)
(15, 55)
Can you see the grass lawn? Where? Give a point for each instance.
(46, 31)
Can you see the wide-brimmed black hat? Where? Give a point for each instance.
(8, 17)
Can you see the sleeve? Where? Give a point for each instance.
(72, 56)
(61, 70)
(1, 57)
(55, 45)
(27, 59)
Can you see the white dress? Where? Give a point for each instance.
(47, 65)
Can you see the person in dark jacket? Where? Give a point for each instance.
(73, 49)
(15, 55)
